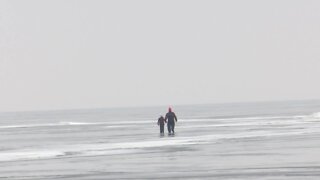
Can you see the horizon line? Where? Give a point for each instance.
(154, 106)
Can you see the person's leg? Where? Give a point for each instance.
(161, 128)
(169, 128)
(172, 127)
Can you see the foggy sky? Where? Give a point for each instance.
(85, 54)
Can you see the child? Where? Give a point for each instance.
(161, 122)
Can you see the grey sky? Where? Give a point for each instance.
(83, 54)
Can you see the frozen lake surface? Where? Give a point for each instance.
(274, 140)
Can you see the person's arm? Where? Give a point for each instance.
(175, 117)
(158, 122)
(164, 120)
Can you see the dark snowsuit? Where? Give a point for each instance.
(161, 122)
(171, 117)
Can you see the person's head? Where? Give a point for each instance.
(170, 109)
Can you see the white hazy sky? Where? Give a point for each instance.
(57, 54)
